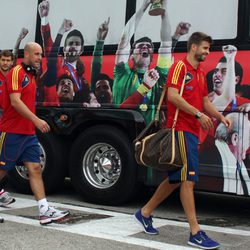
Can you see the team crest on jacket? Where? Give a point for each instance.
(189, 77)
(1, 83)
(25, 81)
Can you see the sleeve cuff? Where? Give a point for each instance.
(98, 50)
(99, 44)
(143, 89)
(44, 21)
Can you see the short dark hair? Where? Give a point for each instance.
(244, 90)
(237, 67)
(143, 39)
(103, 76)
(7, 53)
(209, 77)
(63, 76)
(74, 33)
(197, 38)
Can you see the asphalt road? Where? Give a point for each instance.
(225, 218)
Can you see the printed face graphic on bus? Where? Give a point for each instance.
(218, 77)
(245, 138)
(103, 91)
(73, 48)
(65, 90)
(240, 138)
(237, 136)
(142, 54)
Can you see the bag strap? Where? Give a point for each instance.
(181, 92)
(157, 114)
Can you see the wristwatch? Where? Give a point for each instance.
(198, 115)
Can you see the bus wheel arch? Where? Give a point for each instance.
(102, 166)
(52, 164)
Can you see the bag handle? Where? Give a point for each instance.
(157, 114)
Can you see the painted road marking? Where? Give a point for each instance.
(118, 227)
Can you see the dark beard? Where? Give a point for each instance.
(199, 58)
(71, 59)
(103, 97)
(5, 70)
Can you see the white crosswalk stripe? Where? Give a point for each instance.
(118, 227)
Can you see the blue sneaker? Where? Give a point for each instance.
(146, 223)
(201, 240)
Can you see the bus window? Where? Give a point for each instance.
(15, 16)
(87, 17)
(210, 17)
(248, 24)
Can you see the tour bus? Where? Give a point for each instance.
(90, 70)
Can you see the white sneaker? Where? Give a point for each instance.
(6, 199)
(51, 215)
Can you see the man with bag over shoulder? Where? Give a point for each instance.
(193, 102)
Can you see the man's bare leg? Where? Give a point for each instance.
(2, 174)
(48, 214)
(188, 203)
(36, 181)
(161, 193)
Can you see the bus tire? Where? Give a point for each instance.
(52, 163)
(102, 166)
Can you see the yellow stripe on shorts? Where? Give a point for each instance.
(183, 155)
(2, 137)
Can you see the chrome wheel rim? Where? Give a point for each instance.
(102, 166)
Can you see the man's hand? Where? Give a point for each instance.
(229, 52)
(146, 3)
(103, 30)
(66, 26)
(43, 8)
(93, 101)
(206, 122)
(164, 4)
(150, 78)
(42, 125)
(244, 107)
(23, 34)
(226, 122)
(181, 29)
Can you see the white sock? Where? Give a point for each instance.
(43, 205)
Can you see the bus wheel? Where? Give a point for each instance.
(52, 164)
(102, 166)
